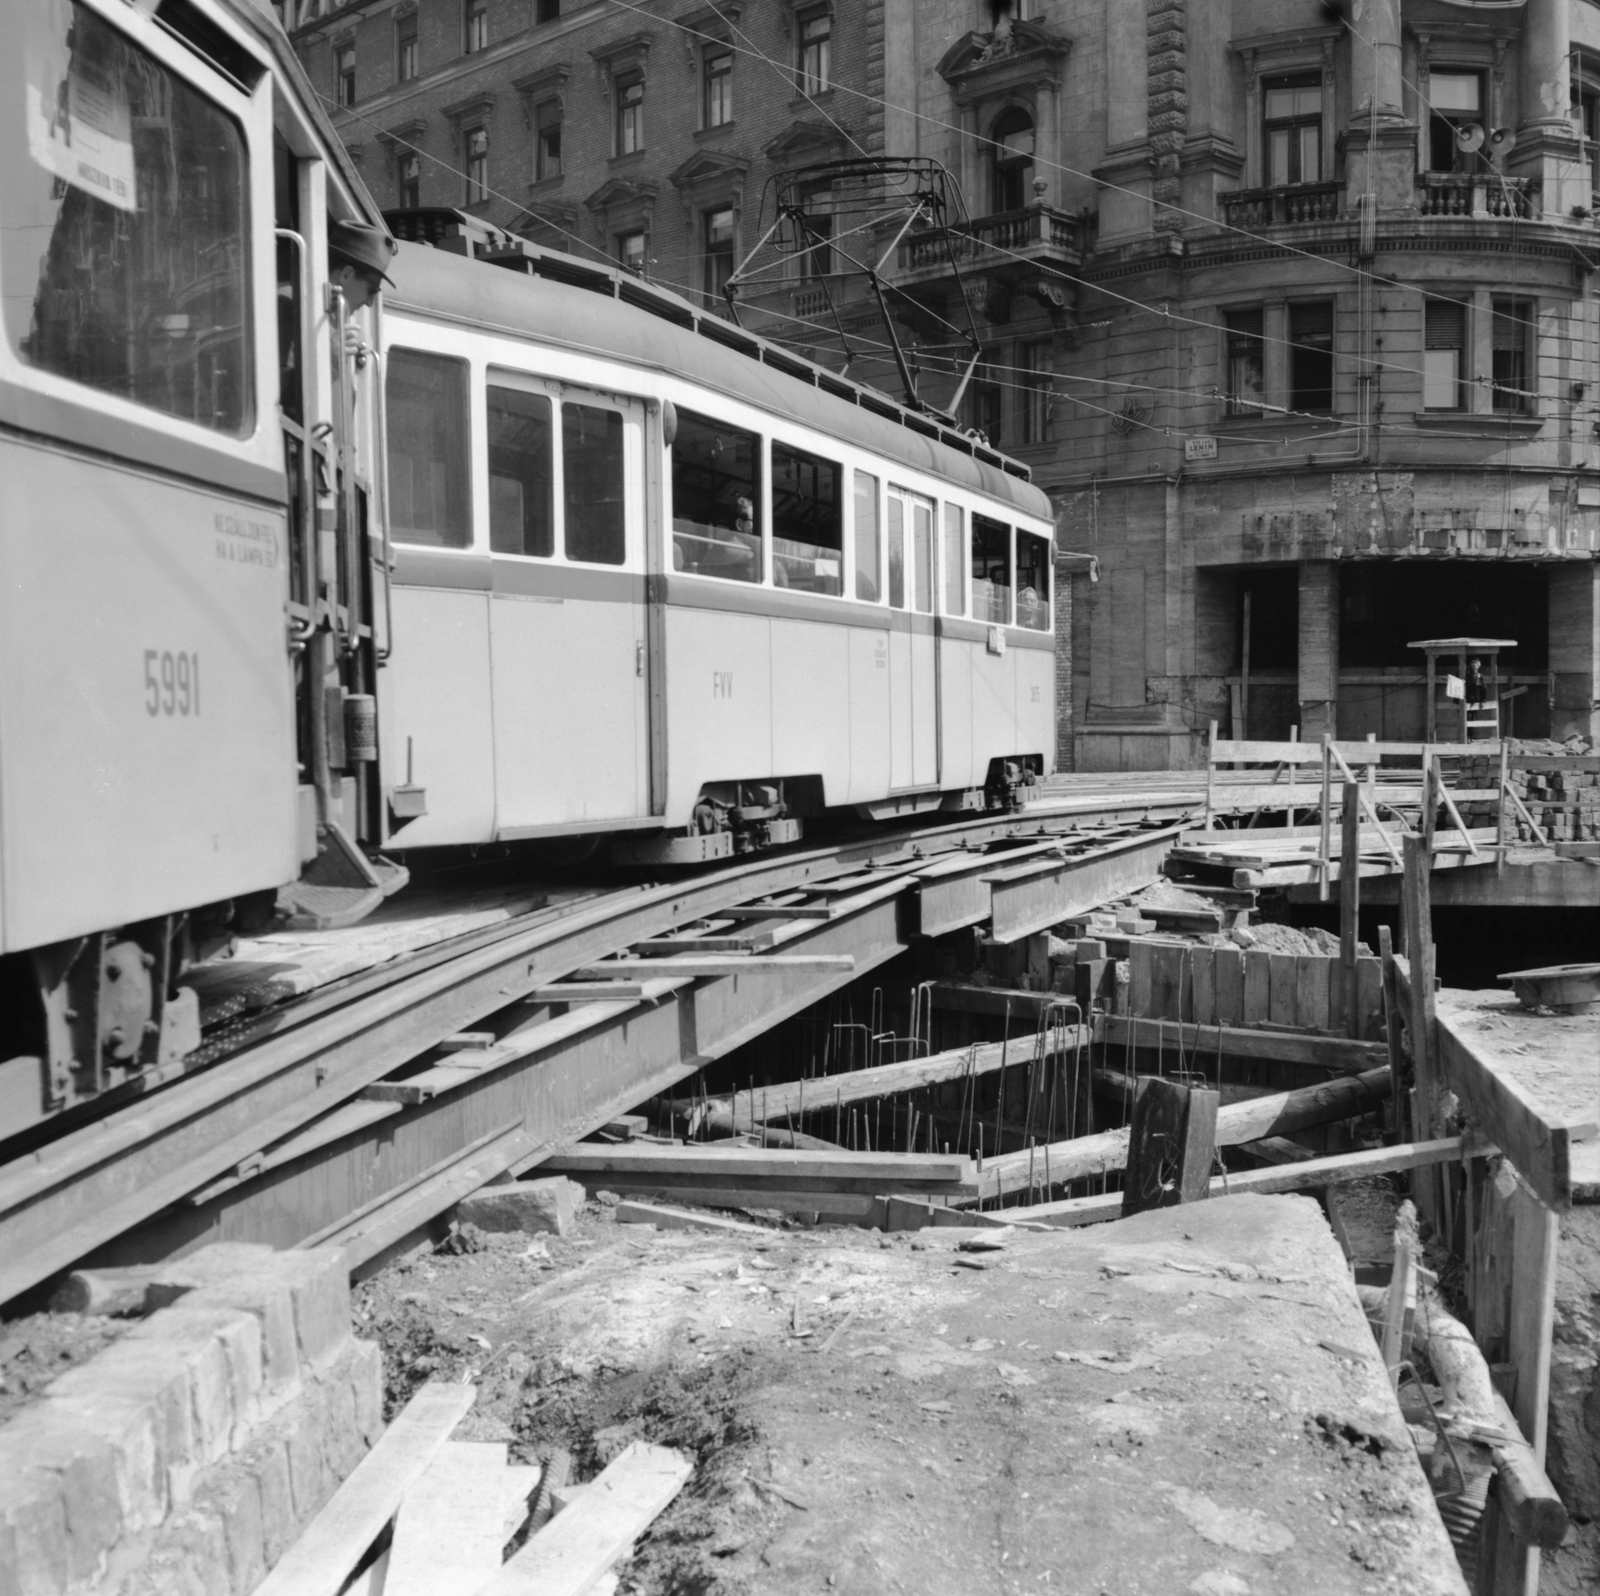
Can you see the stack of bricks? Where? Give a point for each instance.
(187, 1455)
(1565, 802)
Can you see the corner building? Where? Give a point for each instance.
(1315, 297)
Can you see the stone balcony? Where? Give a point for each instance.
(1289, 205)
(1006, 243)
(1481, 195)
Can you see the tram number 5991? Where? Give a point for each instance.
(171, 682)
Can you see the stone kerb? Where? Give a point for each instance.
(186, 1455)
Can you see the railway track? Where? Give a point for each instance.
(354, 1113)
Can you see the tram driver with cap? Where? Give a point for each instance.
(358, 258)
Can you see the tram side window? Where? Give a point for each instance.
(991, 570)
(807, 522)
(869, 551)
(922, 551)
(1033, 581)
(715, 494)
(594, 503)
(955, 562)
(897, 552)
(521, 487)
(125, 248)
(429, 494)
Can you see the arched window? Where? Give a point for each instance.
(1012, 153)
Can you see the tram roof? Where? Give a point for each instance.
(558, 299)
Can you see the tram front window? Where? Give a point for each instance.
(716, 528)
(807, 525)
(124, 254)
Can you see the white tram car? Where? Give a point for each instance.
(186, 591)
(656, 576)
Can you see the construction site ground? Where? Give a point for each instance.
(1186, 1401)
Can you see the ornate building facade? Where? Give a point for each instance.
(1291, 309)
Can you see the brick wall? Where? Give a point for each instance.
(189, 1453)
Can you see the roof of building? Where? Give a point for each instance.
(558, 299)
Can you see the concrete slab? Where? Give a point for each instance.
(1185, 1402)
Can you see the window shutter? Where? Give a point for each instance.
(1446, 324)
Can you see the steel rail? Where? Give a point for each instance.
(75, 1195)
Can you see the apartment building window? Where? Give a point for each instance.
(405, 40)
(1034, 396)
(718, 250)
(1011, 145)
(1291, 133)
(1311, 357)
(816, 262)
(347, 75)
(1443, 354)
(408, 180)
(1455, 101)
(476, 32)
(547, 11)
(1246, 365)
(1586, 112)
(630, 115)
(476, 142)
(1510, 339)
(547, 141)
(716, 108)
(816, 50)
(630, 250)
(985, 410)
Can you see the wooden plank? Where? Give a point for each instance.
(1282, 1047)
(449, 1532)
(588, 992)
(1349, 904)
(1417, 924)
(1171, 1144)
(320, 1561)
(1276, 1114)
(1265, 753)
(1204, 985)
(1166, 980)
(787, 1099)
(752, 1166)
(831, 1205)
(577, 1547)
(1307, 1176)
(665, 1217)
(1282, 982)
(749, 942)
(1141, 976)
(1228, 965)
(780, 911)
(1257, 985)
(1311, 990)
(1369, 997)
(713, 965)
(1016, 1001)
(520, 1482)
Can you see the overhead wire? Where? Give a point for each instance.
(1046, 269)
(1163, 311)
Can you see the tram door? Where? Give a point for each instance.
(568, 645)
(913, 672)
